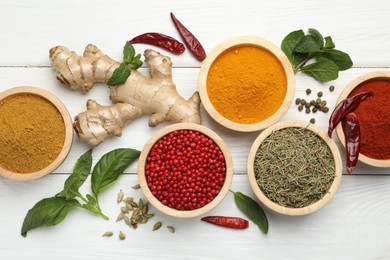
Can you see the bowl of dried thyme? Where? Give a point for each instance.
(36, 133)
(294, 168)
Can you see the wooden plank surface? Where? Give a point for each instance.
(354, 225)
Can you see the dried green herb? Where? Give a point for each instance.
(294, 167)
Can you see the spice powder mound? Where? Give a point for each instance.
(294, 167)
(32, 133)
(246, 84)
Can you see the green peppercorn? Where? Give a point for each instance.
(307, 110)
(300, 107)
(325, 109)
(303, 102)
(312, 102)
(319, 94)
(307, 105)
(324, 102)
(315, 109)
(308, 91)
(312, 120)
(297, 101)
(331, 88)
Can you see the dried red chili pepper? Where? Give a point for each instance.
(160, 40)
(189, 39)
(345, 107)
(229, 222)
(351, 131)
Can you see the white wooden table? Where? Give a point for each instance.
(354, 225)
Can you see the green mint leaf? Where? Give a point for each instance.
(47, 212)
(136, 62)
(317, 35)
(252, 210)
(80, 173)
(110, 167)
(308, 44)
(288, 44)
(128, 52)
(341, 59)
(120, 75)
(329, 44)
(323, 70)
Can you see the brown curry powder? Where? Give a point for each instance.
(32, 133)
(246, 84)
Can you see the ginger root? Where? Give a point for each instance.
(155, 95)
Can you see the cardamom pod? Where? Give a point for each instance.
(148, 215)
(129, 207)
(134, 225)
(124, 209)
(120, 196)
(136, 187)
(144, 220)
(135, 213)
(108, 234)
(171, 229)
(156, 226)
(128, 199)
(120, 216)
(140, 204)
(122, 235)
(127, 220)
(134, 204)
(145, 208)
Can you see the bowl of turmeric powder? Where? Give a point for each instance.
(36, 133)
(246, 83)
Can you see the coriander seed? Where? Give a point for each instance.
(314, 110)
(303, 102)
(297, 101)
(331, 88)
(312, 102)
(313, 120)
(308, 91)
(307, 110)
(319, 94)
(300, 107)
(325, 109)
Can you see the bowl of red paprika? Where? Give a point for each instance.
(185, 170)
(373, 115)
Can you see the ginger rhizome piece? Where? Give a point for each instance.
(155, 95)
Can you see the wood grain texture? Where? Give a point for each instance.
(354, 225)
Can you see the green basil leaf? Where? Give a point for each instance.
(91, 204)
(252, 210)
(323, 70)
(288, 44)
(341, 59)
(81, 170)
(329, 44)
(120, 75)
(317, 35)
(47, 212)
(308, 44)
(128, 52)
(110, 167)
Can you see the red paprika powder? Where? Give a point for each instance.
(374, 118)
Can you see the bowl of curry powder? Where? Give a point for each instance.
(36, 133)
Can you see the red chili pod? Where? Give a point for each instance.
(345, 107)
(351, 131)
(160, 40)
(190, 40)
(229, 222)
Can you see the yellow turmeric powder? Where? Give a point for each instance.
(32, 133)
(246, 84)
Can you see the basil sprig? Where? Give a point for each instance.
(252, 210)
(52, 211)
(130, 60)
(300, 48)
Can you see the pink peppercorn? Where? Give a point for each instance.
(185, 170)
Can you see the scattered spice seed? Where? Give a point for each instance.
(120, 216)
(171, 229)
(313, 120)
(303, 102)
(319, 94)
(308, 91)
(314, 110)
(331, 88)
(136, 187)
(297, 101)
(307, 110)
(124, 209)
(122, 235)
(120, 196)
(300, 107)
(156, 226)
(108, 234)
(307, 105)
(325, 109)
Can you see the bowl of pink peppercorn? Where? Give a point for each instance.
(185, 170)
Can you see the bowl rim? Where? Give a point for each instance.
(344, 94)
(185, 213)
(246, 41)
(68, 132)
(286, 210)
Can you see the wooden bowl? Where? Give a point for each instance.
(238, 42)
(344, 94)
(68, 133)
(288, 210)
(184, 213)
